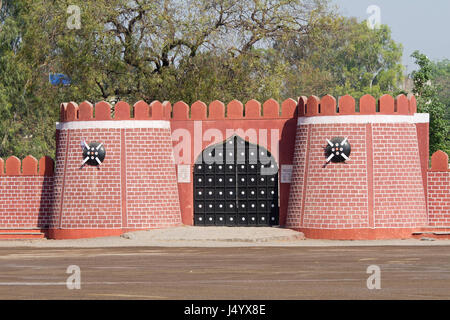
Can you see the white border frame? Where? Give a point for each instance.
(113, 124)
(372, 118)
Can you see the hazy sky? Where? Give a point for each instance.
(422, 25)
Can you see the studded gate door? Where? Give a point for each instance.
(236, 184)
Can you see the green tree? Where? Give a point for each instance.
(23, 128)
(441, 79)
(178, 50)
(428, 102)
(142, 49)
(256, 75)
(136, 49)
(344, 56)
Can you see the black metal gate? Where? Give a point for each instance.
(236, 184)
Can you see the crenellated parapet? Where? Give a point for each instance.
(439, 162)
(121, 111)
(26, 193)
(235, 110)
(156, 110)
(368, 105)
(29, 166)
(382, 188)
(253, 109)
(438, 195)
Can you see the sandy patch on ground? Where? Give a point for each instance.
(189, 236)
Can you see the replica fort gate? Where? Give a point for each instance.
(331, 170)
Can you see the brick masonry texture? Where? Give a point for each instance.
(138, 170)
(398, 188)
(26, 202)
(152, 193)
(385, 186)
(439, 199)
(91, 197)
(380, 186)
(295, 205)
(335, 194)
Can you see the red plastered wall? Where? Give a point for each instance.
(284, 133)
(398, 186)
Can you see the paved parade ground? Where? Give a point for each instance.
(284, 272)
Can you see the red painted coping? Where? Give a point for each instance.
(367, 105)
(271, 109)
(216, 110)
(102, 111)
(198, 110)
(347, 105)
(180, 111)
(141, 110)
(156, 110)
(13, 166)
(235, 110)
(62, 112)
(71, 111)
(167, 110)
(386, 104)
(412, 103)
(312, 106)
(402, 104)
(29, 166)
(253, 109)
(328, 105)
(439, 161)
(86, 111)
(289, 108)
(302, 101)
(46, 166)
(122, 111)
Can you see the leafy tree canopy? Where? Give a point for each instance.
(344, 56)
(430, 102)
(179, 50)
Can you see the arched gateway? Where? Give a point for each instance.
(236, 184)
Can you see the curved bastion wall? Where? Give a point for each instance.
(379, 191)
(135, 187)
